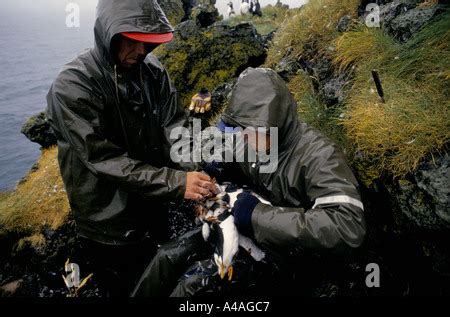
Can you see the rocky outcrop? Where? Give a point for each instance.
(344, 23)
(403, 18)
(206, 57)
(404, 26)
(38, 130)
(177, 11)
(425, 198)
(205, 13)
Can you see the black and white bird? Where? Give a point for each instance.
(219, 229)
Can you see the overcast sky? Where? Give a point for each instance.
(87, 7)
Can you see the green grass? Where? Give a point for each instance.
(391, 138)
(414, 121)
(40, 200)
(313, 25)
(271, 19)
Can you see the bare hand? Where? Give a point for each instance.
(199, 186)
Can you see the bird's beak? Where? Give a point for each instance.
(222, 271)
(230, 272)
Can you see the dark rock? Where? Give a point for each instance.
(37, 129)
(188, 5)
(221, 95)
(320, 67)
(288, 65)
(333, 90)
(177, 11)
(187, 30)
(344, 23)
(391, 10)
(363, 5)
(424, 199)
(402, 18)
(388, 9)
(332, 86)
(406, 25)
(174, 10)
(205, 13)
(269, 37)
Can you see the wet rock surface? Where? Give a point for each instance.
(174, 10)
(205, 13)
(402, 18)
(38, 130)
(344, 23)
(424, 198)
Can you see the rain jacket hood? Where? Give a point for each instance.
(118, 16)
(261, 99)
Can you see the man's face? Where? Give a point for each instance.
(131, 53)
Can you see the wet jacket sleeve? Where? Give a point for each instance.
(74, 111)
(334, 220)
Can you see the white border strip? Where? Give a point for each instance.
(338, 199)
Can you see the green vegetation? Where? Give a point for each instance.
(313, 26)
(414, 121)
(271, 19)
(209, 57)
(38, 201)
(390, 138)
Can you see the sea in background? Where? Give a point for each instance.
(34, 44)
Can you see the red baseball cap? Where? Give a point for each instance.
(157, 38)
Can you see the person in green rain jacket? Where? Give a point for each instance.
(315, 201)
(112, 109)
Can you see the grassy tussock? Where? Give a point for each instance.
(362, 45)
(393, 138)
(397, 135)
(414, 121)
(37, 201)
(313, 25)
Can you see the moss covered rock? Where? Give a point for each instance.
(205, 13)
(38, 130)
(199, 57)
(173, 9)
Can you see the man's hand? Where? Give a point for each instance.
(199, 186)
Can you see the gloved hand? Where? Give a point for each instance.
(215, 169)
(200, 103)
(242, 211)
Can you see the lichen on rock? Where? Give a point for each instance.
(206, 57)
